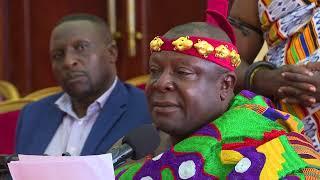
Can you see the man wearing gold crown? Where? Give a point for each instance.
(216, 135)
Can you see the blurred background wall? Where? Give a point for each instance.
(25, 27)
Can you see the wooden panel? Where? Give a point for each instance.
(3, 39)
(165, 14)
(19, 68)
(129, 66)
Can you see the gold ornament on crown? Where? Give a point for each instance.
(204, 48)
(235, 58)
(182, 43)
(222, 51)
(156, 43)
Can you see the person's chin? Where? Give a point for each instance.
(166, 124)
(78, 92)
(176, 133)
(167, 129)
(76, 83)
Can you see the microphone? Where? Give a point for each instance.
(137, 144)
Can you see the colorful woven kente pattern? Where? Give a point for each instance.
(250, 141)
(292, 31)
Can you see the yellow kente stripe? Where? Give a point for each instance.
(289, 57)
(292, 109)
(291, 124)
(299, 48)
(230, 157)
(309, 39)
(298, 111)
(283, 107)
(273, 33)
(266, 2)
(313, 162)
(273, 151)
(265, 21)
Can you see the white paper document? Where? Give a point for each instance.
(95, 167)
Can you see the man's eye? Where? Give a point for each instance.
(184, 72)
(57, 55)
(81, 46)
(153, 70)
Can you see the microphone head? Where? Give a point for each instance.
(143, 140)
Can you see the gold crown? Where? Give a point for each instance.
(203, 47)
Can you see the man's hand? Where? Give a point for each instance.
(269, 82)
(308, 90)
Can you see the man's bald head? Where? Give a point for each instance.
(200, 29)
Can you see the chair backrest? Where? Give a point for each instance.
(8, 91)
(42, 93)
(139, 81)
(9, 113)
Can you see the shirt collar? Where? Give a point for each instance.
(65, 105)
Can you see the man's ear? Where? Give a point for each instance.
(228, 80)
(112, 52)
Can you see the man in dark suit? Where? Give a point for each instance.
(96, 109)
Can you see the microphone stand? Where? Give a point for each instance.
(4, 169)
(120, 155)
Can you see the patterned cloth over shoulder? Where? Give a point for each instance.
(251, 140)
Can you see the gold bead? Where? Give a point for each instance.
(222, 51)
(156, 43)
(204, 48)
(182, 43)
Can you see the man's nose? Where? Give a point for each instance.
(164, 83)
(70, 60)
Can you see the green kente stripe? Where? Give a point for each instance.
(294, 54)
(293, 162)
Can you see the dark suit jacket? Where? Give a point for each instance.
(125, 110)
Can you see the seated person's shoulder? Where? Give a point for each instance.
(42, 103)
(135, 95)
(137, 104)
(132, 90)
